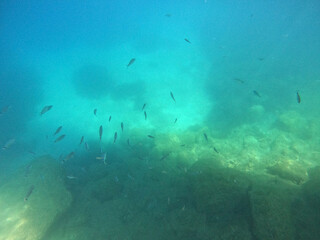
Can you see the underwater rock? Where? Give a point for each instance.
(221, 194)
(289, 170)
(294, 123)
(271, 209)
(46, 199)
(105, 189)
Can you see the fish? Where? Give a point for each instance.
(256, 93)
(128, 142)
(100, 132)
(122, 126)
(95, 111)
(171, 94)
(103, 157)
(26, 174)
(8, 144)
(60, 138)
(28, 193)
(187, 40)
(298, 97)
(110, 118)
(205, 136)
(71, 177)
(69, 156)
(175, 121)
(261, 59)
(57, 131)
(145, 115)
(215, 150)
(5, 109)
(46, 109)
(167, 15)
(238, 80)
(164, 156)
(150, 136)
(81, 141)
(144, 105)
(131, 62)
(86, 146)
(115, 137)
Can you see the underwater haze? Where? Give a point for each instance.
(193, 120)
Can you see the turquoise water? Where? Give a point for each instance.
(215, 106)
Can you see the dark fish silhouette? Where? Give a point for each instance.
(205, 136)
(256, 93)
(131, 62)
(168, 15)
(122, 126)
(187, 40)
(164, 156)
(57, 131)
(115, 137)
(171, 94)
(298, 97)
(175, 121)
(86, 146)
(150, 136)
(45, 109)
(60, 138)
(238, 80)
(128, 142)
(100, 132)
(144, 105)
(69, 156)
(29, 193)
(95, 112)
(81, 141)
(110, 118)
(215, 150)
(145, 115)
(5, 109)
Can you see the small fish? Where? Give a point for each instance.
(110, 118)
(167, 15)
(175, 121)
(150, 136)
(122, 126)
(115, 137)
(164, 156)
(145, 115)
(57, 131)
(28, 193)
(131, 62)
(5, 109)
(238, 80)
(45, 109)
(26, 174)
(100, 132)
(81, 141)
(215, 150)
(60, 138)
(182, 145)
(171, 94)
(187, 40)
(128, 142)
(103, 157)
(8, 144)
(298, 97)
(256, 93)
(95, 112)
(144, 105)
(69, 156)
(71, 177)
(32, 152)
(86, 146)
(260, 59)
(205, 136)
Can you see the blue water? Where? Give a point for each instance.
(212, 56)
